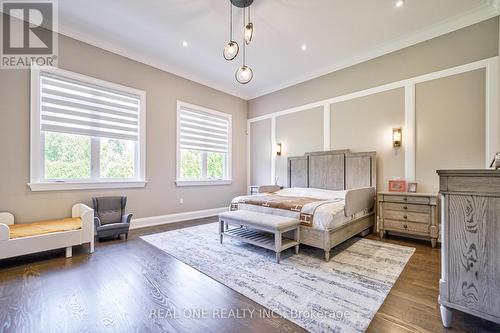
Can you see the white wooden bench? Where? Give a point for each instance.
(260, 229)
(10, 247)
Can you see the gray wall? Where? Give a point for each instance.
(450, 126)
(447, 111)
(460, 47)
(160, 196)
(260, 152)
(374, 117)
(299, 133)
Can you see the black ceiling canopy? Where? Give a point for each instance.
(241, 3)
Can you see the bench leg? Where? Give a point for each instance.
(327, 255)
(91, 246)
(69, 252)
(277, 245)
(221, 230)
(297, 239)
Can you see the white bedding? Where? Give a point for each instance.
(327, 216)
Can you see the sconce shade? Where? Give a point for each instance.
(396, 137)
(278, 149)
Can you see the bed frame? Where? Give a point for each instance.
(334, 170)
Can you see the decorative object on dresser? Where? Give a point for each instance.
(412, 187)
(470, 255)
(409, 214)
(397, 186)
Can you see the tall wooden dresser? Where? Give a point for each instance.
(470, 256)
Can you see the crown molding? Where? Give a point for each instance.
(485, 12)
(496, 5)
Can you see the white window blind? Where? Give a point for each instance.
(203, 131)
(75, 107)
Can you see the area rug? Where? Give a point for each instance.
(341, 295)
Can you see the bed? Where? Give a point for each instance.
(332, 193)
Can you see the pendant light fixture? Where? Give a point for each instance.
(248, 29)
(232, 48)
(244, 74)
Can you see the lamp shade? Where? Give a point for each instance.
(231, 50)
(244, 74)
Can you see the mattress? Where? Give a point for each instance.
(329, 215)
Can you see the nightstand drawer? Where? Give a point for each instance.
(407, 207)
(407, 216)
(406, 226)
(406, 199)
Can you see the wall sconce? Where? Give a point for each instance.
(278, 149)
(396, 137)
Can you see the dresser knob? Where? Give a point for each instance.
(405, 226)
(405, 199)
(405, 217)
(405, 207)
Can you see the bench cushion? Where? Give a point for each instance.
(44, 227)
(259, 220)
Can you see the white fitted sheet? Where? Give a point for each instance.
(327, 216)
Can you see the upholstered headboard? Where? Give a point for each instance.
(333, 170)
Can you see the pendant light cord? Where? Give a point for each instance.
(244, 43)
(230, 21)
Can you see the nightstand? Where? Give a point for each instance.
(409, 214)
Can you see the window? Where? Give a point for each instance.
(85, 133)
(203, 146)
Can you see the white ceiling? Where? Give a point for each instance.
(338, 33)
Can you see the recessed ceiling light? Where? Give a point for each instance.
(184, 43)
(400, 3)
(303, 47)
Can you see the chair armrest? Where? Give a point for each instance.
(269, 188)
(359, 199)
(97, 222)
(126, 218)
(4, 232)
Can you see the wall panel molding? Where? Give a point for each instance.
(492, 109)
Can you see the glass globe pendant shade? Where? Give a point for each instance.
(231, 50)
(248, 33)
(244, 74)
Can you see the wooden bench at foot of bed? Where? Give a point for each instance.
(21, 239)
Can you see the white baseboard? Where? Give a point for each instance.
(172, 218)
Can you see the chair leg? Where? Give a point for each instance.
(126, 235)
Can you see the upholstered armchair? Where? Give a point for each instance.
(110, 218)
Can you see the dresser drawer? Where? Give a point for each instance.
(407, 216)
(407, 207)
(420, 228)
(407, 199)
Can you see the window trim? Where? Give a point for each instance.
(36, 148)
(203, 182)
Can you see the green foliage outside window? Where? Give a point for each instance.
(190, 164)
(117, 158)
(215, 165)
(67, 156)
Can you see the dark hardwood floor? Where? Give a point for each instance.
(130, 286)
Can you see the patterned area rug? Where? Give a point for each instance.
(341, 295)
